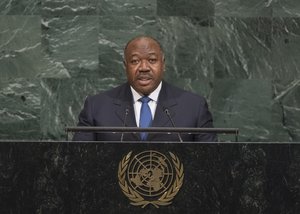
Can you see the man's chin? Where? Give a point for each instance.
(145, 89)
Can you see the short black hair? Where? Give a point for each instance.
(146, 37)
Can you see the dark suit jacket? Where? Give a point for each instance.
(108, 109)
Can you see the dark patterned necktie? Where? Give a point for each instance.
(145, 116)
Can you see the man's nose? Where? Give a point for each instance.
(144, 66)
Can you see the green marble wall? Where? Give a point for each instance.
(242, 55)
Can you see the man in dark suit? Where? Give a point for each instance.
(166, 104)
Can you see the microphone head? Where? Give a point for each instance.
(166, 110)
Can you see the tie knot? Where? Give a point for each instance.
(145, 99)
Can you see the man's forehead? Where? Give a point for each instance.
(133, 54)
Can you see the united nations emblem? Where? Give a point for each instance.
(150, 178)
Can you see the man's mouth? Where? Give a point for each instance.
(144, 81)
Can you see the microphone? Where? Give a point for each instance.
(173, 124)
(124, 122)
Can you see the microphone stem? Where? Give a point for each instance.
(173, 124)
(124, 123)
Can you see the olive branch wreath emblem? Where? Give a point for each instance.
(136, 199)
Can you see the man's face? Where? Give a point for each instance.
(144, 62)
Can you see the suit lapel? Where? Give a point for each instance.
(161, 118)
(122, 103)
(165, 101)
(121, 109)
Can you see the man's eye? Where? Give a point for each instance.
(152, 61)
(134, 61)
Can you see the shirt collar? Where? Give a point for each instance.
(153, 96)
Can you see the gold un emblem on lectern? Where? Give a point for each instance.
(150, 177)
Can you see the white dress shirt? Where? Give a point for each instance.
(138, 104)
